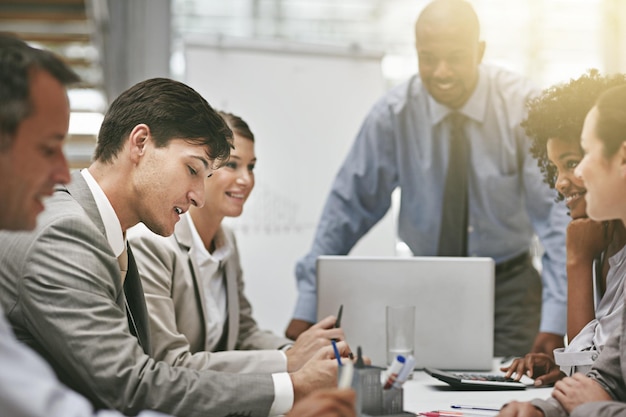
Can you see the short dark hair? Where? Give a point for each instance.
(172, 110)
(611, 123)
(237, 125)
(18, 61)
(559, 112)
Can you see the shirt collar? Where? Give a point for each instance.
(112, 226)
(474, 108)
(222, 243)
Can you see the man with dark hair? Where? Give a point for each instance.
(450, 139)
(71, 286)
(34, 118)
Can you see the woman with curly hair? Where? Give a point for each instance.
(595, 250)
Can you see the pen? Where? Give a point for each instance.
(474, 407)
(338, 321)
(337, 355)
(444, 413)
(359, 358)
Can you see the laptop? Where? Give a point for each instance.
(454, 300)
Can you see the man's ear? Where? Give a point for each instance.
(137, 141)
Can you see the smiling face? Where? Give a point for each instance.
(230, 186)
(167, 181)
(602, 176)
(34, 163)
(448, 59)
(565, 156)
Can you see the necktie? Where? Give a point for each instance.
(453, 233)
(134, 299)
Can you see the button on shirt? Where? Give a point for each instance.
(403, 143)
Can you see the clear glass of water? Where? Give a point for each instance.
(400, 321)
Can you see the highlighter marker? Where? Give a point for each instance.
(345, 380)
(392, 372)
(405, 372)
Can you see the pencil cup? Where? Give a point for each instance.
(393, 401)
(371, 398)
(400, 321)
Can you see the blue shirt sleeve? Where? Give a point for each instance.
(360, 196)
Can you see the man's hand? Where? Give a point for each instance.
(326, 403)
(319, 372)
(547, 342)
(312, 340)
(296, 327)
(520, 409)
(539, 366)
(578, 389)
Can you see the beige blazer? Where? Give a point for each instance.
(175, 298)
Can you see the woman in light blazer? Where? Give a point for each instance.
(194, 285)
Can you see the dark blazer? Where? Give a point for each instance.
(61, 288)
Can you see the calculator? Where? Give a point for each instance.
(478, 381)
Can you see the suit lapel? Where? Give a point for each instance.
(80, 191)
(182, 234)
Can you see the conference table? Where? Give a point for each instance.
(423, 393)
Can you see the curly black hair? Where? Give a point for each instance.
(559, 112)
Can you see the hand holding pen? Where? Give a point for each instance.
(320, 371)
(312, 340)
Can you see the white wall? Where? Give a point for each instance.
(304, 105)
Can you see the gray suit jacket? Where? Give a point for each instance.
(61, 288)
(176, 301)
(610, 371)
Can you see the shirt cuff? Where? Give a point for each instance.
(286, 347)
(283, 394)
(285, 361)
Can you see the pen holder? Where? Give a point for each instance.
(371, 398)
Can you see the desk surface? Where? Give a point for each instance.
(425, 393)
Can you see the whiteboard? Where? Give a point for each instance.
(305, 105)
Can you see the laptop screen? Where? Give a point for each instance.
(454, 300)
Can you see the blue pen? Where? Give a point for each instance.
(474, 407)
(337, 355)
